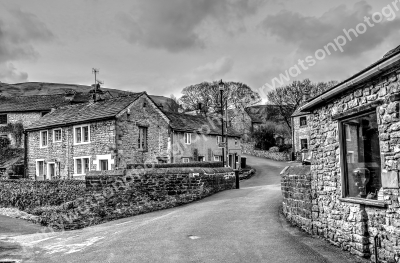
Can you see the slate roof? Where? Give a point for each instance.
(197, 123)
(85, 112)
(32, 103)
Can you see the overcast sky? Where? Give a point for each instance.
(162, 46)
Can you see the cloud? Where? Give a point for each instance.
(312, 33)
(216, 69)
(173, 24)
(9, 74)
(18, 31)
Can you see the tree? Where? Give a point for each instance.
(264, 136)
(290, 97)
(237, 95)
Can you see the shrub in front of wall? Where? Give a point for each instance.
(27, 194)
(274, 149)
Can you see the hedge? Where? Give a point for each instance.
(172, 165)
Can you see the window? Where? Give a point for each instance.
(3, 118)
(44, 139)
(57, 135)
(103, 165)
(142, 139)
(188, 138)
(361, 158)
(303, 121)
(219, 139)
(185, 160)
(81, 134)
(201, 158)
(236, 141)
(40, 168)
(304, 144)
(81, 165)
(217, 158)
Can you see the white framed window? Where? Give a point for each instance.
(103, 162)
(44, 139)
(81, 165)
(185, 160)
(236, 141)
(217, 158)
(81, 134)
(219, 139)
(40, 167)
(188, 138)
(57, 133)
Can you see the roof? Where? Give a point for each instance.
(298, 112)
(197, 123)
(387, 56)
(32, 103)
(85, 112)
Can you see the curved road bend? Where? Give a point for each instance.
(232, 226)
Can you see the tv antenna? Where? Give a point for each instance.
(95, 71)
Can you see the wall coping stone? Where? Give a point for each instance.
(368, 202)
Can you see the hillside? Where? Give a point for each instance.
(43, 88)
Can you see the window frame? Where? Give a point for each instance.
(41, 139)
(185, 158)
(37, 167)
(54, 135)
(304, 118)
(143, 138)
(5, 114)
(219, 139)
(82, 134)
(343, 160)
(82, 163)
(188, 138)
(301, 144)
(217, 158)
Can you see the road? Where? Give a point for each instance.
(242, 225)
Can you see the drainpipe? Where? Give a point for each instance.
(26, 155)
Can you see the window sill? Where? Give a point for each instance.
(81, 143)
(369, 202)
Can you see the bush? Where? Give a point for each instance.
(285, 147)
(274, 149)
(4, 143)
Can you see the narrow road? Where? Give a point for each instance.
(232, 226)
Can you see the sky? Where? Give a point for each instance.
(163, 46)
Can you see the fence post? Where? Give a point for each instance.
(237, 179)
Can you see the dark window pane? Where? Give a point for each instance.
(78, 166)
(103, 165)
(362, 156)
(303, 121)
(78, 134)
(3, 118)
(85, 134)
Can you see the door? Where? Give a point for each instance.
(230, 162)
(51, 171)
(103, 165)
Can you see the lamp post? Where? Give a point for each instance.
(221, 89)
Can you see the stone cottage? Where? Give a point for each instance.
(110, 134)
(355, 145)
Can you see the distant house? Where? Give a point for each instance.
(110, 134)
(301, 133)
(196, 138)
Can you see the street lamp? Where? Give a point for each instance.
(221, 89)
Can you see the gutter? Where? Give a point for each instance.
(64, 124)
(350, 82)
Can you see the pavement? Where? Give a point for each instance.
(243, 225)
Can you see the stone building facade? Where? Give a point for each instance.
(112, 134)
(301, 134)
(354, 176)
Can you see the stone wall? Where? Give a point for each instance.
(277, 156)
(349, 223)
(247, 147)
(122, 193)
(297, 198)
